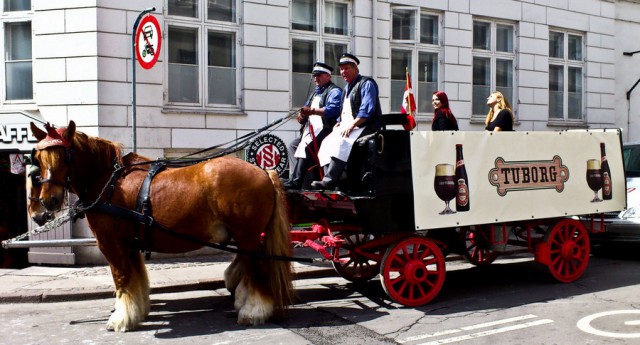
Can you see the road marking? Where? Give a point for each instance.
(468, 328)
(585, 324)
(489, 332)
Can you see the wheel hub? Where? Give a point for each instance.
(570, 249)
(415, 272)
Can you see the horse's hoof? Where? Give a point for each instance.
(117, 323)
(114, 326)
(246, 320)
(255, 312)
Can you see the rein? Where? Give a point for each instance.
(145, 218)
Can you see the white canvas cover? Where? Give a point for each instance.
(515, 176)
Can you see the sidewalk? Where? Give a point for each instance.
(55, 284)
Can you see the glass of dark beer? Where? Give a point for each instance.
(445, 185)
(594, 177)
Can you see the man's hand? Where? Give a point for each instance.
(347, 130)
(306, 111)
(303, 114)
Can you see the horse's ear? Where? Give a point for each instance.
(70, 131)
(37, 132)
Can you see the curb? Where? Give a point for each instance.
(46, 296)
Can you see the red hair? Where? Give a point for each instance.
(444, 100)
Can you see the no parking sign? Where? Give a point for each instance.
(148, 41)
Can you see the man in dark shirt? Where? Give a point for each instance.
(318, 115)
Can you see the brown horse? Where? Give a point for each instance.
(212, 201)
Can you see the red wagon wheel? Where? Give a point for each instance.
(352, 266)
(568, 250)
(477, 246)
(413, 271)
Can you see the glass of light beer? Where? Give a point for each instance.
(445, 185)
(594, 177)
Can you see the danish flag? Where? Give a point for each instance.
(408, 104)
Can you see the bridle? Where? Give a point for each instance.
(36, 176)
(54, 138)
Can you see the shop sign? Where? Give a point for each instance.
(16, 136)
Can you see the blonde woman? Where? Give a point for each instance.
(500, 117)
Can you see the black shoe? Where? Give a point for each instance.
(291, 185)
(322, 185)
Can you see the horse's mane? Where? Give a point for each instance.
(103, 152)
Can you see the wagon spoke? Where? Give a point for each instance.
(421, 290)
(405, 253)
(422, 254)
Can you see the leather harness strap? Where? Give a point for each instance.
(143, 206)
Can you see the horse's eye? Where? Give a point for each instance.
(36, 180)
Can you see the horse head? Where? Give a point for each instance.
(35, 208)
(53, 153)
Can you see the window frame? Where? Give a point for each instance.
(415, 47)
(203, 26)
(565, 63)
(12, 17)
(320, 39)
(493, 54)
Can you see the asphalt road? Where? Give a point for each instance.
(510, 302)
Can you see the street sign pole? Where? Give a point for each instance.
(133, 76)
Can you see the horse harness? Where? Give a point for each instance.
(142, 215)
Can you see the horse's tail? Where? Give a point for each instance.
(278, 243)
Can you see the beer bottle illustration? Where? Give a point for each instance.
(607, 191)
(462, 198)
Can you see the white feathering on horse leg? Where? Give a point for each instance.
(141, 282)
(240, 295)
(232, 275)
(257, 309)
(127, 315)
(132, 303)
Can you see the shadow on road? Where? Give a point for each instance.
(328, 303)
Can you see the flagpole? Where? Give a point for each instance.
(406, 69)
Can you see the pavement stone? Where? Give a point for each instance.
(56, 284)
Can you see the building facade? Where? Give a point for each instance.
(227, 67)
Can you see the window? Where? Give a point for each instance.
(17, 5)
(415, 46)
(319, 32)
(565, 76)
(202, 53)
(493, 63)
(18, 64)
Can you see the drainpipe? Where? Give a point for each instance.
(629, 96)
(629, 108)
(374, 37)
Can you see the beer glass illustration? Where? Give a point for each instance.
(445, 185)
(594, 177)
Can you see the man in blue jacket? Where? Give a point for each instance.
(360, 116)
(318, 115)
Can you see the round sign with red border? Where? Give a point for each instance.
(269, 152)
(148, 41)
